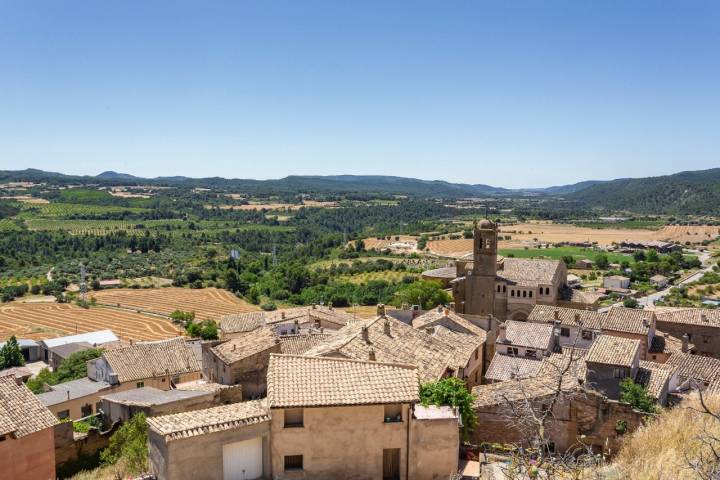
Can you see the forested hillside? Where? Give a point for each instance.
(683, 193)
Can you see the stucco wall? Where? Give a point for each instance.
(338, 442)
(31, 457)
(434, 448)
(200, 457)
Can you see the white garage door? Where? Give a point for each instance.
(243, 460)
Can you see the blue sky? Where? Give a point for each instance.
(527, 93)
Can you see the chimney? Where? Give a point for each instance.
(371, 355)
(314, 306)
(381, 310)
(446, 312)
(685, 340)
(366, 334)
(68, 392)
(556, 315)
(452, 306)
(703, 317)
(282, 315)
(439, 308)
(501, 333)
(317, 323)
(386, 327)
(577, 318)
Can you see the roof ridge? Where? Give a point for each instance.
(347, 360)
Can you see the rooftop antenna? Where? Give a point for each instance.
(83, 283)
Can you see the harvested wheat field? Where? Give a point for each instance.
(207, 303)
(405, 241)
(48, 320)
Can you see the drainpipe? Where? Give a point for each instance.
(407, 447)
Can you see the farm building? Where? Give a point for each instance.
(95, 339)
(616, 282)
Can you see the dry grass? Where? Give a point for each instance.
(207, 303)
(47, 320)
(659, 451)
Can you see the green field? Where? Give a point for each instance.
(8, 225)
(388, 275)
(65, 209)
(558, 253)
(100, 227)
(627, 224)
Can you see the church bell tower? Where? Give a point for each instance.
(480, 282)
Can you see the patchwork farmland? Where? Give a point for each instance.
(207, 303)
(48, 320)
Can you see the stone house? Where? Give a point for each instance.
(695, 371)
(27, 436)
(701, 325)
(578, 328)
(616, 282)
(288, 321)
(161, 364)
(609, 360)
(584, 264)
(239, 323)
(225, 442)
(242, 360)
(578, 412)
(335, 418)
(526, 339)
(507, 367)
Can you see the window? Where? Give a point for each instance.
(293, 418)
(587, 334)
(498, 288)
(140, 384)
(512, 351)
(547, 291)
(504, 288)
(524, 294)
(176, 380)
(619, 372)
(63, 414)
(530, 353)
(293, 462)
(86, 410)
(705, 339)
(564, 332)
(393, 413)
(512, 293)
(530, 294)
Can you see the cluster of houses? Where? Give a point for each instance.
(315, 392)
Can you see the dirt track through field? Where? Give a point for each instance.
(48, 320)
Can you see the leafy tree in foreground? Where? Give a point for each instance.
(72, 368)
(129, 445)
(11, 354)
(451, 391)
(207, 330)
(636, 395)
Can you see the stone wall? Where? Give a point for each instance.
(706, 338)
(69, 449)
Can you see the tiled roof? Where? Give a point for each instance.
(567, 316)
(298, 381)
(690, 316)
(506, 367)
(299, 344)
(612, 350)
(571, 362)
(449, 319)
(654, 376)
(403, 344)
(245, 345)
(464, 345)
(628, 320)
(152, 359)
(528, 334)
(148, 396)
(579, 296)
(306, 315)
(242, 322)
(71, 390)
(21, 413)
(695, 366)
(528, 272)
(511, 391)
(209, 420)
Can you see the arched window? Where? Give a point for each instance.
(547, 290)
(498, 288)
(524, 294)
(504, 289)
(512, 293)
(530, 294)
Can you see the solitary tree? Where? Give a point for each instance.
(11, 354)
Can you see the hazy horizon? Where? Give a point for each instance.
(519, 96)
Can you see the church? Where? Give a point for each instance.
(485, 283)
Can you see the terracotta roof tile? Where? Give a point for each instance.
(299, 381)
(568, 317)
(242, 322)
(449, 319)
(654, 376)
(299, 344)
(527, 334)
(506, 367)
(697, 367)
(629, 320)
(612, 350)
(209, 420)
(690, 316)
(246, 345)
(152, 359)
(529, 272)
(21, 412)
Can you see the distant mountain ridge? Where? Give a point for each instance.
(695, 192)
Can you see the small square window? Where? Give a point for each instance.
(512, 351)
(293, 418)
(293, 462)
(564, 332)
(393, 413)
(140, 384)
(530, 353)
(587, 335)
(63, 414)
